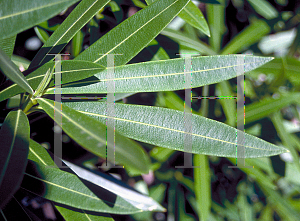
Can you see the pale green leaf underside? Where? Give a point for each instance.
(12, 72)
(169, 75)
(91, 135)
(129, 38)
(17, 16)
(71, 71)
(165, 127)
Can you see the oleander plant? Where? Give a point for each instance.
(94, 113)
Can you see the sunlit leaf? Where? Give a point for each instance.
(165, 127)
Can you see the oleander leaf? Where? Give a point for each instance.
(12, 72)
(128, 38)
(83, 13)
(165, 128)
(71, 71)
(29, 12)
(14, 146)
(169, 75)
(91, 135)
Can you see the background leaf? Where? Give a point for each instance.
(264, 8)
(8, 44)
(14, 136)
(29, 12)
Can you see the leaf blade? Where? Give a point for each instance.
(168, 75)
(91, 135)
(127, 35)
(29, 12)
(14, 150)
(13, 73)
(165, 128)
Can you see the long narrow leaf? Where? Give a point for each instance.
(71, 71)
(17, 16)
(14, 146)
(91, 135)
(85, 10)
(8, 44)
(168, 75)
(165, 127)
(13, 73)
(128, 38)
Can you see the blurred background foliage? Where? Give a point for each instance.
(269, 190)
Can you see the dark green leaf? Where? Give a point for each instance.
(71, 71)
(85, 10)
(128, 38)
(17, 16)
(13, 73)
(8, 44)
(14, 136)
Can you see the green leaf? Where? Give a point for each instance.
(128, 38)
(8, 44)
(264, 8)
(91, 134)
(202, 185)
(73, 214)
(250, 35)
(12, 72)
(39, 155)
(216, 22)
(185, 40)
(29, 12)
(192, 15)
(77, 43)
(168, 75)
(265, 107)
(165, 127)
(83, 13)
(43, 35)
(135, 198)
(20, 61)
(71, 71)
(52, 183)
(14, 136)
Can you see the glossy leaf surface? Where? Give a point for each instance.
(128, 38)
(13, 73)
(14, 146)
(84, 11)
(29, 12)
(165, 127)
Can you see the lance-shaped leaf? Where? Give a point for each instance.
(138, 200)
(128, 38)
(264, 8)
(13, 73)
(13, 153)
(71, 71)
(52, 183)
(84, 11)
(91, 135)
(29, 12)
(8, 45)
(187, 41)
(169, 75)
(40, 155)
(165, 128)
